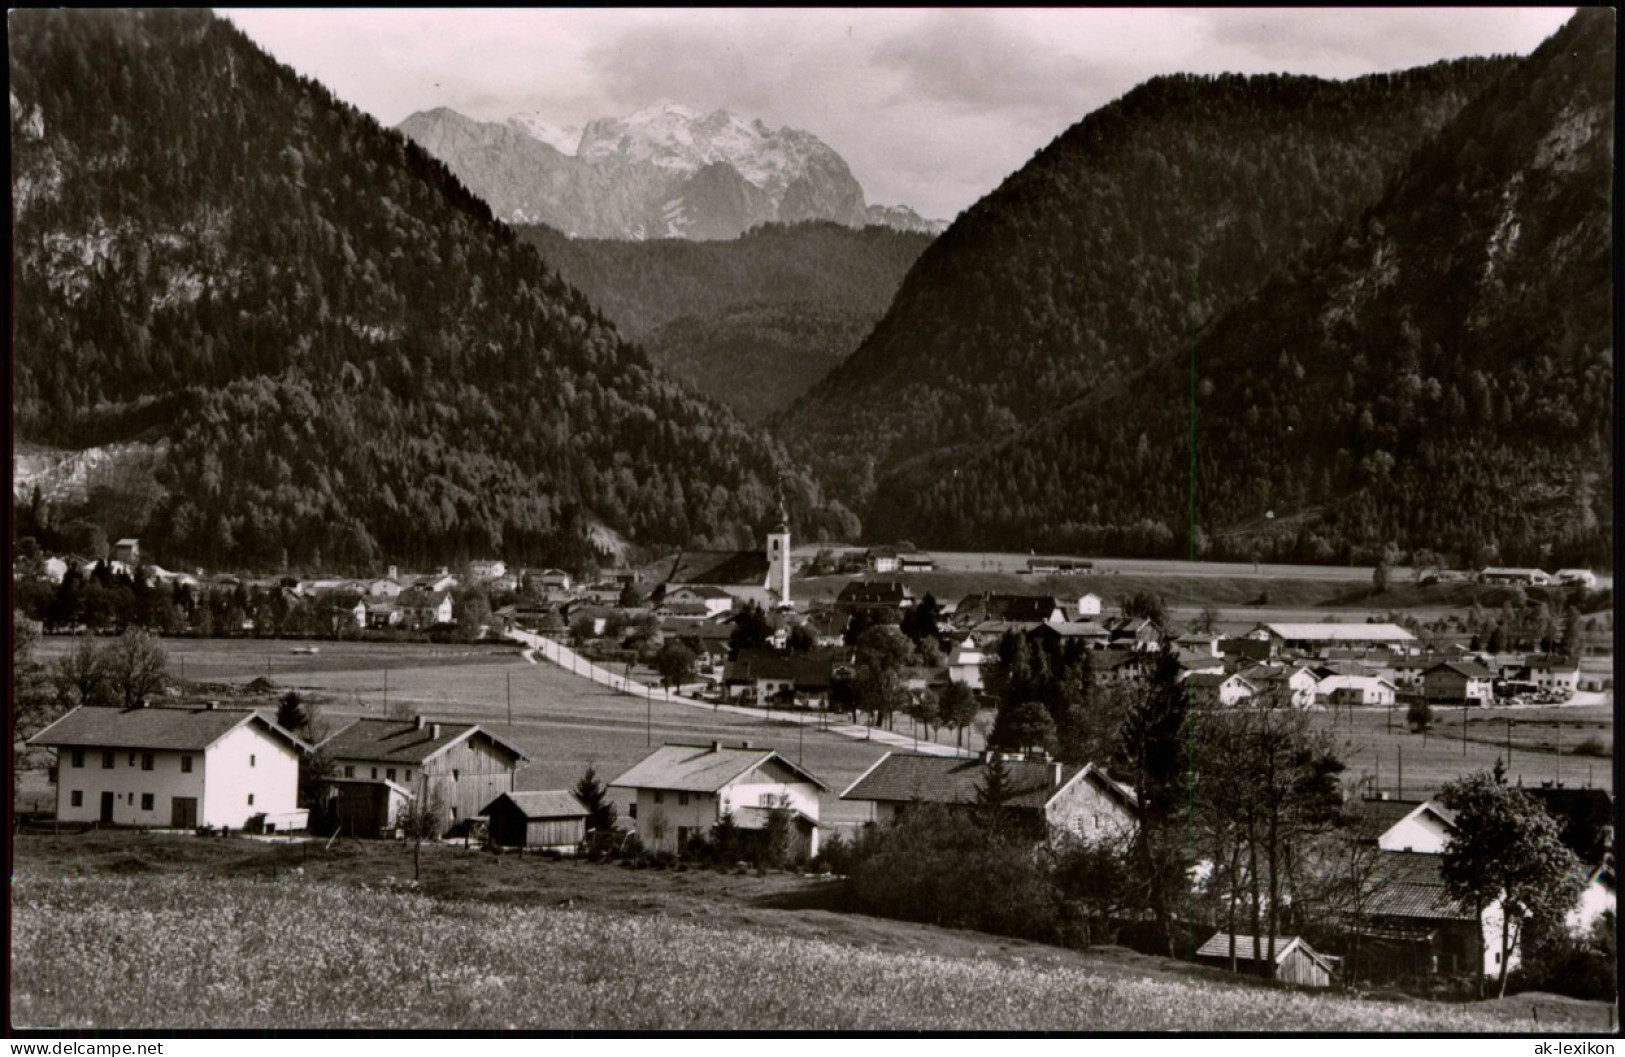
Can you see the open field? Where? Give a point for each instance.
(1374, 744)
(987, 561)
(148, 931)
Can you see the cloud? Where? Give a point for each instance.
(971, 60)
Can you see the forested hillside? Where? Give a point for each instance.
(751, 322)
(1438, 375)
(1148, 218)
(349, 359)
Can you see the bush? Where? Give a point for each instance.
(1593, 746)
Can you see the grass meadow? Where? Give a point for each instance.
(173, 952)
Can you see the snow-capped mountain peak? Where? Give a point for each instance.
(566, 139)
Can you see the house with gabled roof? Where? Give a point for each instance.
(174, 767)
(1458, 683)
(1048, 798)
(1212, 688)
(874, 594)
(543, 820)
(1408, 923)
(462, 766)
(1295, 961)
(683, 791)
(421, 608)
(1421, 826)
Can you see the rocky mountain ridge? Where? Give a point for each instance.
(667, 171)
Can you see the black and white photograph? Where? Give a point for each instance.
(846, 521)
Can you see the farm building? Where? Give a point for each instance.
(127, 551)
(1295, 961)
(461, 765)
(1409, 926)
(1358, 690)
(1048, 798)
(965, 664)
(358, 807)
(174, 767)
(916, 562)
(1316, 638)
(1576, 577)
(1458, 683)
(550, 819)
(682, 791)
(771, 677)
(874, 594)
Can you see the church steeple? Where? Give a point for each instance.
(778, 552)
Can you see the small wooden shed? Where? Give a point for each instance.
(547, 819)
(1295, 961)
(359, 807)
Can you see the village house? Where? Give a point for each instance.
(711, 601)
(1576, 578)
(1210, 689)
(461, 766)
(548, 820)
(127, 551)
(1057, 567)
(1295, 961)
(175, 767)
(802, 680)
(1556, 674)
(487, 569)
(682, 791)
(1088, 606)
(1048, 798)
(874, 594)
(882, 559)
(1134, 633)
(965, 664)
(1292, 685)
(1458, 683)
(1091, 634)
(916, 562)
(1422, 826)
(1339, 691)
(551, 580)
(422, 608)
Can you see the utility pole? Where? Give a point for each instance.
(510, 698)
(1464, 726)
(1400, 752)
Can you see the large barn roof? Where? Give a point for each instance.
(1341, 632)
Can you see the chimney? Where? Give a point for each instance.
(394, 573)
(434, 731)
(1055, 769)
(716, 746)
(417, 722)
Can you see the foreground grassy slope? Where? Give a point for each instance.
(171, 952)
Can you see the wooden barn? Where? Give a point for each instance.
(1295, 961)
(359, 807)
(548, 819)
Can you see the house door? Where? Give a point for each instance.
(183, 812)
(107, 807)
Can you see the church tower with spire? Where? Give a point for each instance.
(778, 553)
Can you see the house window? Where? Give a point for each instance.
(77, 798)
(406, 775)
(390, 774)
(146, 801)
(250, 759)
(129, 798)
(250, 799)
(349, 771)
(78, 757)
(186, 765)
(132, 759)
(682, 799)
(767, 800)
(632, 812)
(146, 761)
(375, 772)
(660, 797)
(455, 774)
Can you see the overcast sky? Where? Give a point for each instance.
(930, 107)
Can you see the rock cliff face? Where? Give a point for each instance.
(664, 172)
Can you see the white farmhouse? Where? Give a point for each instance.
(682, 791)
(176, 767)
